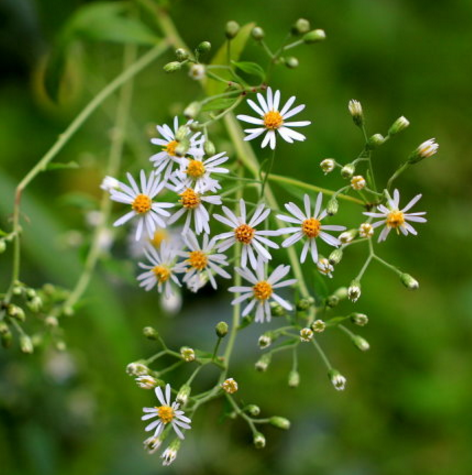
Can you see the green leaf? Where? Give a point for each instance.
(251, 68)
(62, 166)
(219, 104)
(237, 46)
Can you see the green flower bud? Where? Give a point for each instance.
(301, 26)
(258, 33)
(376, 141)
(209, 148)
(335, 257)
(137, 369)
(68, 311)
(30, 293)
(5, 335)
(348, 170)
(265, 340)
(232, 29)
(181, 54)
(305, 304)
(221, 329)
(182, 148)
(360, 343)
(16, 312)
(172, 66)
(192, 110)
(409, 282)
(188, 354)
(253, 410)
(332, 301)
(3, 246)
(26, 345)
(291, 62)
(277, 310)
(398, 126)
(204, 47)
(337, 379)
(280, 422)
(355, 109)
(314, 36)
(51, 321)
(259, 440)
(183, 394)
(332, 207)
(341, 293)
(34, 304)
(359, 319)
(61, 345)
(150, 333)
(425, 150)
(354, 291)
(327, 165)
(263, 362)
(318, 326)
(293, 379)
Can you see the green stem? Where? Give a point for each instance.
(397, 174)
(322, 354)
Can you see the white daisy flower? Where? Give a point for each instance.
(309, 227)
(395, 218)
(201, 260)
(271, 119)
(150, 213)
(166, 413)
(244, 232)
(262, 290)
(192, 203)
(195, 172)
(165, 159)
(160, 273)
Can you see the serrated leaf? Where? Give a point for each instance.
(237, 46)
(62, 166)
(251, 68)
(219, 104)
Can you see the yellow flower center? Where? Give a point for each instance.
(165, 413)
(190, 199)
(159, 236)
(142, 204)
(162, 273)
(170, 148)
(262, 290)
(311, 227)
(198, 260)
(244, 233)
(395, 219)
(195, 169)
(273, 120)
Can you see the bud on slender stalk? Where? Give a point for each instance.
(337, 379)
(209, 148)
(263, 362)
(301, 26)
(305, 304)
(280, 422)
(398, 126)
(3, 246)
(230, 386)
(192, 110)
(258, 33)
(170, 454)
(306, 334)
(188, 354)
(150, 333)
(197, 72)
(172, 66)
(376, 141)
(355, 109)
(327, 165)
(332, 207)
(293, 379)
(360, 343)
(232, 29)
(137, 369)
(147, 382)
(314, 36)
(183, 147)
(221, 329)
(335, 257)
(265, 340)
(291, 62)
(359, 319)
(425, 150)
(354, 291)
(183, 394)
(348, 236)
(259, 440)
(26, 344)
(181, 54)
(409, 282)
(318, 326)
(253, 410)
(204, 47)
(348, 170)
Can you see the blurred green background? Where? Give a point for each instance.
(407, 404)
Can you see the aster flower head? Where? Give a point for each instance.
(245, 232)
(161, 271)
(166, 159)
(309, 227)
(166, 413)
(201, 259)
(150, 213)
(395, 218)
(272, 119)
(261, 292)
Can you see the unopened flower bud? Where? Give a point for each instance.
(221, 329)
(182, 148)
(137, 369)
(291, 62)
(265, 340)
(188, 354)
(5, 335)
(338, 381)
(293, 378)
(359, 319)
(170, 454)
(332, 301)
(409, 282)
(172, 66)
(327, 165)
(17, 290)
(253, 410)
(280, 422)
(51, 321)
(366, 230)
(358, 182)
(181, 54)
(258, 33)
(61, 345)
(355, 109)
(335, 257)
(314, 36)
(306, 334)
(30, 293)
(34, 304)
(263, 362)
(151, 444)
(348, 170)
(301, 26)
(324, 267)
(4, 329)
(150, 333)
(204, 47)
(146, 381)
(183, 394)
(348, 236)
(26, 345)
(360, 343)
(259, 440)
(399, 125)
(232, 29)
(230, 386)
(209, 148)
(341, 293)
(197, 72)
(425, 150)
(354, 291)
(277, 310)
(3, 246)
(305, 304)
(192, 110)
(318, 326)
(16, 312)
(376, 141)
(332, 207)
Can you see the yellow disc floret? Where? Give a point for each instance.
(170, 148)
(244, 233)
(395, 219)
(190, 199)
(198, 260)
(262, 290)
(165, 413)
(311, 227)
(195, 169)
(142, 204)
(162, 273)
(273, 120)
